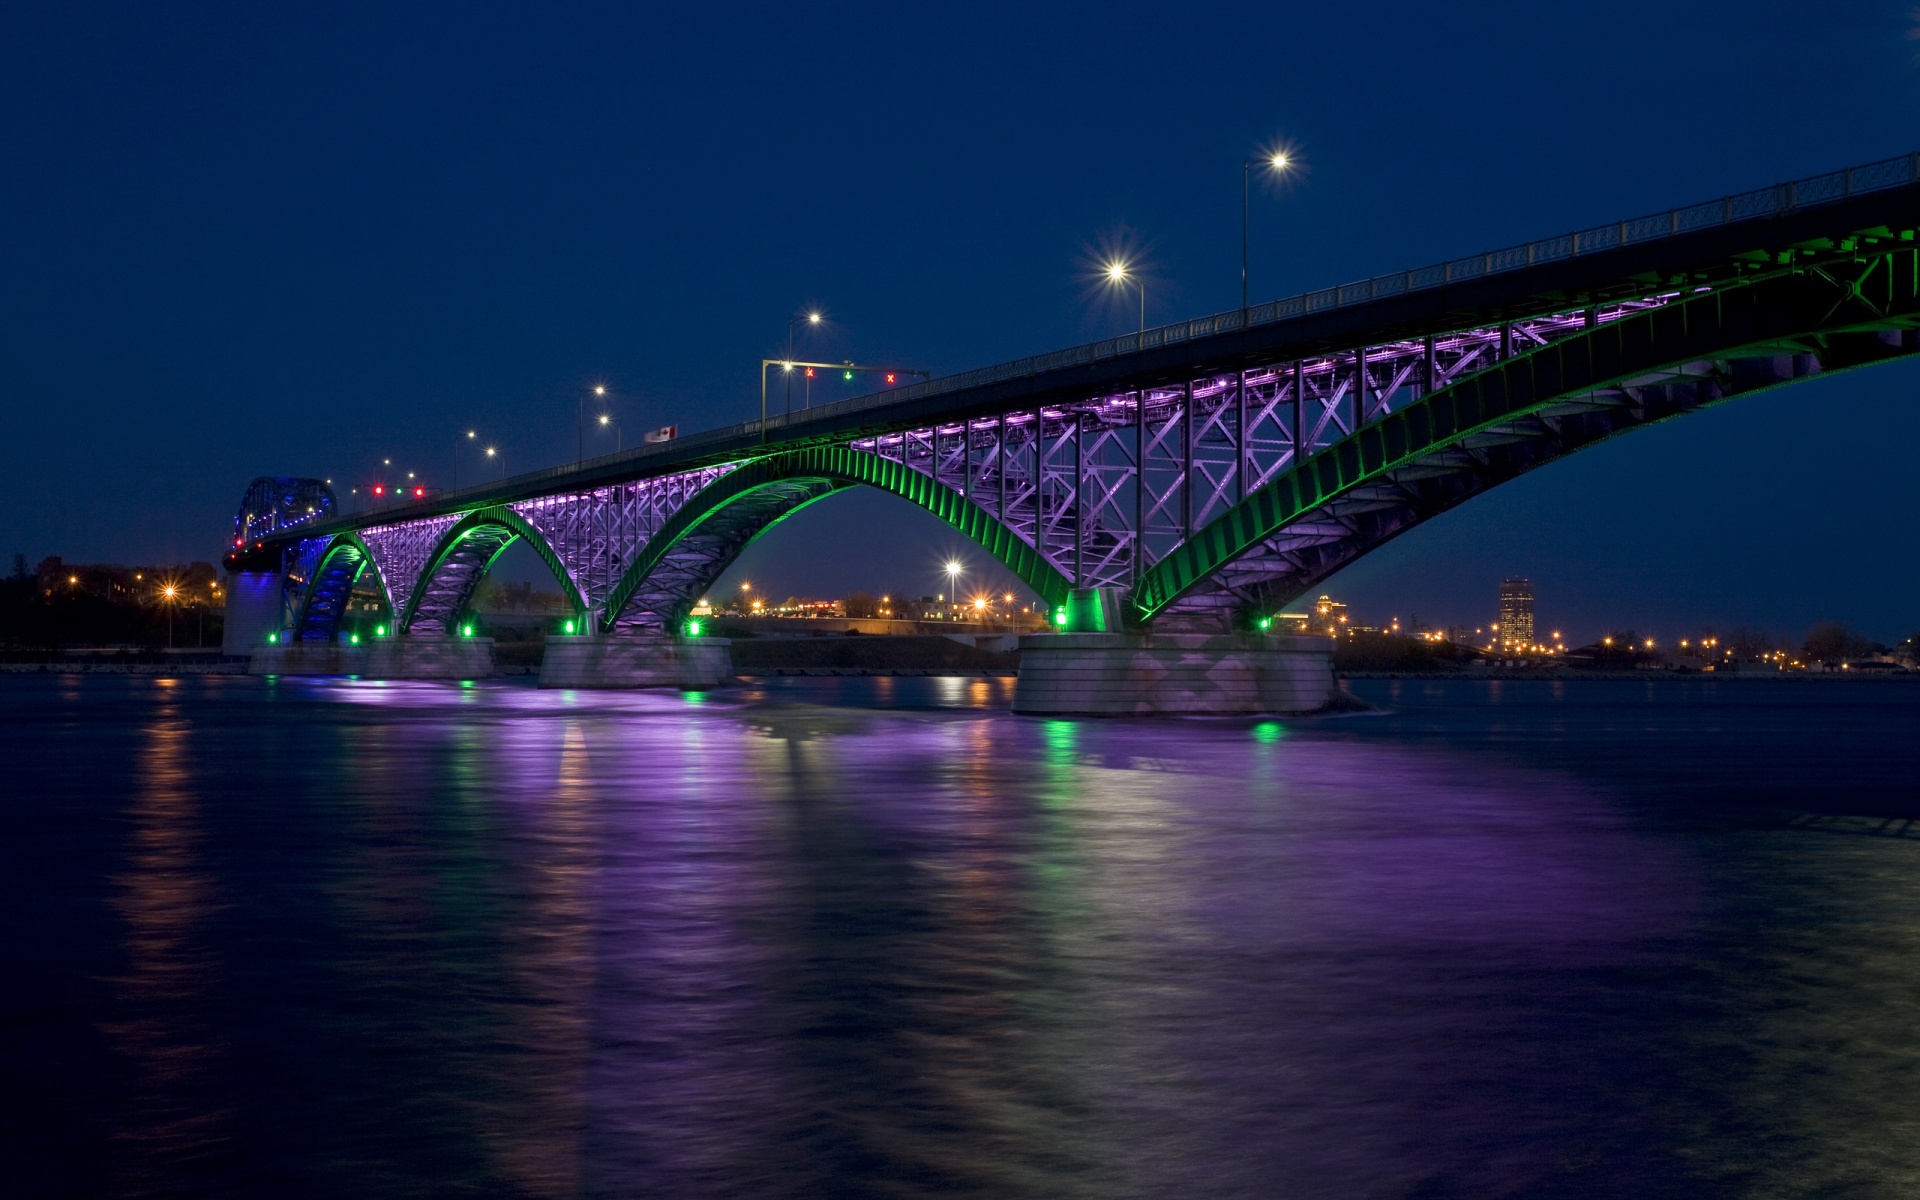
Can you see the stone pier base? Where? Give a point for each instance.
(406, 657)
(589, 661)
(1143, 674)
(308, 658)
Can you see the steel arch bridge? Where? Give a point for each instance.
(1204, 473)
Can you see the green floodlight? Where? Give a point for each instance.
(379, 631)
(273, 639)
(466, 631)
(1060, 616)
(1266, 622)
(569, 626)
(693, 629)
(353, 639)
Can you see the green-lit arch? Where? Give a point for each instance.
(495, 517)
(1845, 321)
(841, 467)
(341, 545)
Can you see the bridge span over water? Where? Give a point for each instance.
(1200, 475)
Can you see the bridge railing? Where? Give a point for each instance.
(1745, 206)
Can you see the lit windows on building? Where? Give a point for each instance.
(1516, 614)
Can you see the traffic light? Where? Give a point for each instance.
(379, 490)
(419, 491)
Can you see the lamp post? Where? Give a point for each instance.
(456, 458)
(606, 420)
(580, 424)
(1119, 274)
(1278, 161)
(811, 318)
(953, 570)
(167, 594)
(494, 453)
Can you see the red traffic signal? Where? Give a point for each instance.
(378, 490)
(889, 378)
(419, 491)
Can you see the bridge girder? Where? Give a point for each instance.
(705, 536)
(1215, 468)
(328, 586)
(1522, 413)
(462, 558)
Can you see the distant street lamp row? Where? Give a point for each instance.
(1120, 272)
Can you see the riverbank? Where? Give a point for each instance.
(1566, 673)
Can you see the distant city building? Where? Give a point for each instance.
(1516, 614)
(1329, 616)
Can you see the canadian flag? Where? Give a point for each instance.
(663, 434)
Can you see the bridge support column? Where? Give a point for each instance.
(252, 611)
(414, 656)
(1146, 674)
(614, 661)
(307, 658)
(430, 656)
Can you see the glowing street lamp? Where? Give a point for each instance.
(811, 318)
(1119, 273)
(954, 568)
(580, 422)
(619, 434)
(495, 453)
(167, 594)
(1277, 162)
(471, 435)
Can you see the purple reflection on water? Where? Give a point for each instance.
(880, 937)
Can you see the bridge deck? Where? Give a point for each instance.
(1700, 245)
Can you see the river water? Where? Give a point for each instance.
(877, 937)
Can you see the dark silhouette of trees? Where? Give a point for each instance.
(1833, 643)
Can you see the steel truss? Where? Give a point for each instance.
(1106, 487)
(1147, 490)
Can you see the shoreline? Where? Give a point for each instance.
(1644, 676)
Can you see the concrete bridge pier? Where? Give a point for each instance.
(620, 661)
(1145, 674)
(252, 609)
(411, 656)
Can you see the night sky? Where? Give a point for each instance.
(251, 240)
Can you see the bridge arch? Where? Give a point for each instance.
(462, 558)
(323, 602)
(701, 540)
(1528, 410)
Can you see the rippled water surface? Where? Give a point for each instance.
(881, 938)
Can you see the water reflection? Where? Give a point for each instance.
(173, 1126)
(792, 940)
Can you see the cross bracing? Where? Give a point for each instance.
(1211, 476)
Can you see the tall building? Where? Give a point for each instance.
(1516, 614)
(1329, 617)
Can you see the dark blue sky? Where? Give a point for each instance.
(236, 240)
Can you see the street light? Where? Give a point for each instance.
(953, 570)
(1120, 274)
(606, 420)
(1278, 162)
(580, 423)
(493, 453)
(168, 592)
(811, 318)
(456, 458)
